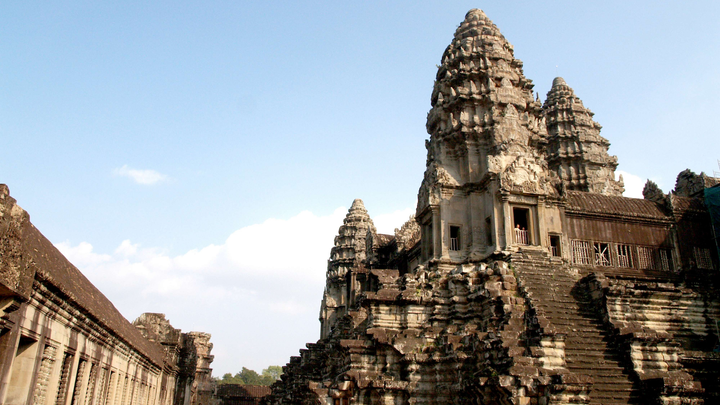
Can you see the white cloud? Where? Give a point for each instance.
(126, 248)
(265, 279)
(145, 177)
(633, 184)
(82, 255)
(386, 223)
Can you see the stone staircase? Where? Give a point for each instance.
(704, 368)
(563, 306)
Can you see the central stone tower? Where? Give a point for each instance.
(486, 160)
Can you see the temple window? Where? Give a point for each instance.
(521, 221)
(64, 378)
(426, 238)
(454, 237)
(702, 258)
(665, 259)
(488, 231)
(624, 256)
(646, 259)
(21, 371)
(581, 252)
(602, 254)
(555, 245)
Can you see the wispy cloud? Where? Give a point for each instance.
(146, 177)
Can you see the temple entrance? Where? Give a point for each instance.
(555, 245)
(521, 226)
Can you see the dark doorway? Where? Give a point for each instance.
(555, 245)
(521, 225)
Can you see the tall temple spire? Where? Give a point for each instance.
(487, 141)
(348, 253)
(350, 242)
(576, 151)
(482, 99)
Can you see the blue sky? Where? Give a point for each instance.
(196, 158)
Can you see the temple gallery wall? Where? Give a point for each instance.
(62, 341)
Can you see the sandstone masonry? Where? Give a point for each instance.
(524, 277)
(62, 341)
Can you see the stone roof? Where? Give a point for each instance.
(683, 204)
(479, 64)
(385, 239)
(593, 203)
(49, 265)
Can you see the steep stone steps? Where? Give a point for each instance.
(554, 294)
(704, 367)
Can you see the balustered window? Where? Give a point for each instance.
(582, 252)
(624, 256)
(646, 258)
(521, 228)
(454, 237)
(702, 258)
(602, 254)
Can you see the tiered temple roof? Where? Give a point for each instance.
(576, 151)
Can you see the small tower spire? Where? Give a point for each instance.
(576, 151)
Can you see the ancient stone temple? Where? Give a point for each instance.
(524, 277)
(63, 342)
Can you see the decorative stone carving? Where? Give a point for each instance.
(689, 184)
(408, 234)
(350, 250)
(16, 273)
(504, 299)
(652, 192)
(524, 176)
(576, 151)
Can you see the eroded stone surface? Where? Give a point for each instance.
(525, 277)
(62, 340)
(576, 151)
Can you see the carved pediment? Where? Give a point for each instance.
(525, 175)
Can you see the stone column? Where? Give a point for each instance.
(504, 229)
(437, 232)
(541, 227)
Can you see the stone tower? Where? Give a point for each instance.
(486, 149)
(576, 151)
(349, 252)
(532, 280)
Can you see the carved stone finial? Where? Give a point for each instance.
(357, 208)
(475, 14)
(408, 234)
(652, 192)
(156, 328)
(16, 270)
(559, 81)
(689, 184)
